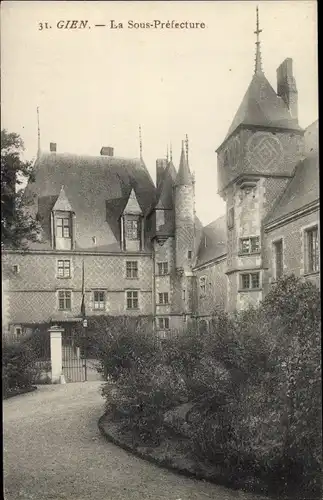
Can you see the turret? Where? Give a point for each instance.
(184, 214)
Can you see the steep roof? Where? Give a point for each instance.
(262, 106)
(132, 206)
(165, 191)
(62, 202)
(97, 189)
(213, 241)
(303, 188)
(184, 176)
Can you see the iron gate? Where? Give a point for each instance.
(73, 359)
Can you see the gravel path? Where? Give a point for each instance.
(53, 450)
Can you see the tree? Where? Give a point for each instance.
(17, 225)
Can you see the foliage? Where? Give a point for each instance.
(254, 381)
(17, 225)
(18, 367)
(117, 342)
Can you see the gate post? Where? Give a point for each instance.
(56, 353)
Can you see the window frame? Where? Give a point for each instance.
(163, 323)
(15, 329)
(202, 285)
(230, 221)
(64, 267)
(277, 242)
(129, 234)
(312, 257)
(162, 265)
(163, 295)
(63, 226)
(132, 300)
(250, 275)
(132, 271)
(65, 298)
(99, 302)
(250, 240)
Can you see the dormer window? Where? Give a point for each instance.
(62, 223)
(132, 229)
(132, 237)
(63, 227)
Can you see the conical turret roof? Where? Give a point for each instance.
(184, 176)
(165, 196)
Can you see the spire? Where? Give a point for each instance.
(184, 176)
(186, 147)
(171, 152)
(38, 131)
(167, 155)
(140, 142)
(258, 68)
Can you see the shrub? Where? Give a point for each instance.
(266, 419)
(18, 367)
(117, 342)
(253, 379)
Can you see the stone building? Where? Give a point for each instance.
(144, 250)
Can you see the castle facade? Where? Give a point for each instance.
(142, 247)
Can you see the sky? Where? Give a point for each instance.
(94, 86)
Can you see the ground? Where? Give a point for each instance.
(53, 450)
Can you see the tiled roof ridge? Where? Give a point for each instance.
(88, 156)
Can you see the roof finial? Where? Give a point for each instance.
(171, 152)
(186, 146)
(38, 131)
(167, 156)
(140, 142)
(258, 68)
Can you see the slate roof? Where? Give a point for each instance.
(184, 176)
(96, 187)
(303, 188)
(165, 190)
(213, 241)
(262, 106)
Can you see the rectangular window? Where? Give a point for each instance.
(231, 218)
(250, 281)
(64, 269)
(98, 300)
(312, 250)
(132, 299)
(18, 331)
(64, 300)
(132, 269)
(278, 248)
(132, 229)
(183, 294)
(163, 323)
(162, 268)
(189, 254)
(250, 245)
(203, 284)
(163, 298)
(63, 228)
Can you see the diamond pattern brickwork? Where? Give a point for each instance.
(32, 292)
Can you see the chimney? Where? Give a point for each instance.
(52, 147)
(107, 151)
(286, 86)
(161, 165)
